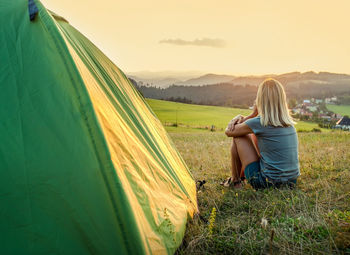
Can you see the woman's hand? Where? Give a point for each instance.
(233, 122)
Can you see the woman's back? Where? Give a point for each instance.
(278, 148)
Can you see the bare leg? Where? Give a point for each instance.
(246, 150)
(235, 162)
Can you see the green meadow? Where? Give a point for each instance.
(192, 118)
(314, 218)
(340, 109)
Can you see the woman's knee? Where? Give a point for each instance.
(241, 139)
(238, 141)
(246, 150)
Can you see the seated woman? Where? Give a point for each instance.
(275, 160)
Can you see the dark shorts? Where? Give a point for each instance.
(258, 181)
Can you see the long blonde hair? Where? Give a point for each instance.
(272, 105)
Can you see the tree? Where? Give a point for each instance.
(292, 103)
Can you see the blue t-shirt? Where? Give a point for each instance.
(278, 149)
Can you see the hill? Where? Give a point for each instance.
(296, 78)
(162, 79)
(207, 79)
(241, 91)
(340, 109)
(166, 79)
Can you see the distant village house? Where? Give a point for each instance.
(343, 123)
(311, 108)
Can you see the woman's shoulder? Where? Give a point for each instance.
(254, 124)
(254, 120)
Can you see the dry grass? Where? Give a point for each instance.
(314, 218)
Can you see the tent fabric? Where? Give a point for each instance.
(85, 165)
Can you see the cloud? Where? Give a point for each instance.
(209, 42)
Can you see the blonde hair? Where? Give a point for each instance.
(272, 105)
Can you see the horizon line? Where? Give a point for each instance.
(233, 74)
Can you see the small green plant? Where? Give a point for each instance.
(212, 222)
(339, 216)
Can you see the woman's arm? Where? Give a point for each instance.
(234, 121)
(239, 130)
(252, 115)
(238, 120)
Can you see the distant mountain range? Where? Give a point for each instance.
(208, 79)
(166, 79)
(229, 90)
(163, 79)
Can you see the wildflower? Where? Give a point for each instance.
(264, 223)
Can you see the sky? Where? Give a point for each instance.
(222, 36)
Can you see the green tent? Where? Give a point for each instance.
(85, 165)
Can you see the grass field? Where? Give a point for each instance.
(195, 117)
(340, 109)
(314, 218)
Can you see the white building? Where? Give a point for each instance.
(312, 108)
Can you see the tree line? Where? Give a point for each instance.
(227, 94)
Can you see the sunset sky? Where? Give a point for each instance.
(223, 36)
